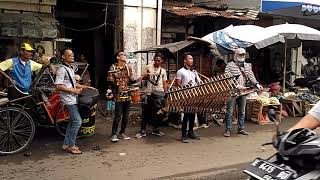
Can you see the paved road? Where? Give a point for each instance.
(213, 157)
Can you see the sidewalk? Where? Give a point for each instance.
(148, 158)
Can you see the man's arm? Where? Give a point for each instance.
(5, 65)
(59, 83)
(164, 81)
(307, 121)
(62, 87)
(178, 78)
(311, 120)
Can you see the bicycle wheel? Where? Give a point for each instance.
(16, 130)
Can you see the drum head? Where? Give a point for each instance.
(89, 93)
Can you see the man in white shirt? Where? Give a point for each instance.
(156, 77)
(186, 76)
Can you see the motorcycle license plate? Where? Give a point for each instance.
(264, 170)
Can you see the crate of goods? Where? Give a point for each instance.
(259, 112)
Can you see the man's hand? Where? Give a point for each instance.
(259, 87)
(89, 87)
(77, 91)
(190, 82)
(139, 79)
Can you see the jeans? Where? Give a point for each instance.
(188, 117)
(148, 115)
(121, 111)
(241, 102)
(73, 126)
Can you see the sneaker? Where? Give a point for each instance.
(227, 133)
(114, 138)
(157, 132)
(204, 126)
(184, 139)
(192, 135)
(141, 134)
(125, 137)
(243, 132)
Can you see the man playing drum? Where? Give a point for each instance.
(156, 77)
(69, 89)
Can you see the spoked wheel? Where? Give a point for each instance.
(16, 130)
(62, 120)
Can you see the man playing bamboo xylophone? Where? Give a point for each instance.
(245, 76)
(187, 76)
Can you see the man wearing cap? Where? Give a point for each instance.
(21, 68)
(243, 71)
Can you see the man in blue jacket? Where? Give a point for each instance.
(21, 68)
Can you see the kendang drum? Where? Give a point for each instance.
(156, 102)
(136, 95)
(87, 108)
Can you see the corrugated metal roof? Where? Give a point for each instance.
(172, 47)
(233, 4)
(199, 11)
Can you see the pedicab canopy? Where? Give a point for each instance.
(31, 25)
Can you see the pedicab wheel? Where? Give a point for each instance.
(61, 121)
(17, 130)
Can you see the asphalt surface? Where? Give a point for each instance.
(213, 157)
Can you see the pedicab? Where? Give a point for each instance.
(21, 113)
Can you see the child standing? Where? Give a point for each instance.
(109, 104)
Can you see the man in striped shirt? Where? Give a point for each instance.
(245, 75)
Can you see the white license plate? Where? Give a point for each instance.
(264, 170)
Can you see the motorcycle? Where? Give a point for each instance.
(297, 157)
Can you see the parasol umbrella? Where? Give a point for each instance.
(233, 37)
(294, 31)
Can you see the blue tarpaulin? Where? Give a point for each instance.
(310, 6)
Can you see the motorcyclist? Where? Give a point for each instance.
(311, 120)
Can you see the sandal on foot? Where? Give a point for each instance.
(65, 147)
(74, 150)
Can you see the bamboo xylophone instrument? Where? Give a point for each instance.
(207, 96)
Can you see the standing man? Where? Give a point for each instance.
(156, 78)
(121, 75)
(69, 90)
(186, 76)
(245, 75)
(21, 68)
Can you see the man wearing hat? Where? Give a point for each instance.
(21, 68)
(238, 67)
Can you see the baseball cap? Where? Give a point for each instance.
(240, 51)
(26, 47)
